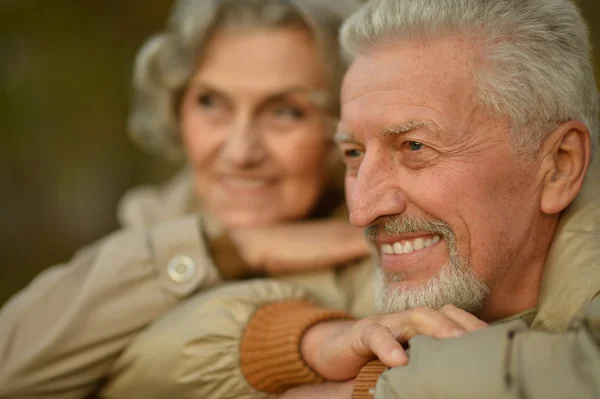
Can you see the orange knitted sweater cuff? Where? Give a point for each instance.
(270, 351)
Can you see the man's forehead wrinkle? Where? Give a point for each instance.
(406, 105)
(354, 84)
(349, 123)
(406, 115)
(394, 97)
(372, 92)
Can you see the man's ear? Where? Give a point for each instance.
(565, 157)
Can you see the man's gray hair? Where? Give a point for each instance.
(168, 60)
(536, 63)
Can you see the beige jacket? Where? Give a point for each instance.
(61, 334)
(194, 350)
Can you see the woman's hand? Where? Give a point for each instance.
(299, 246)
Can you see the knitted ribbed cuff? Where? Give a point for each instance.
(367, 379)
(270, 349)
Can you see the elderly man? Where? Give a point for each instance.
(467, 129)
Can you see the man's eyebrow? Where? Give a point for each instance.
(405, 127)
(342, 137)
(411, 125)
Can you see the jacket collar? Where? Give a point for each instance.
(572, 271)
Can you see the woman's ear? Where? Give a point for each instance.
(565, 156)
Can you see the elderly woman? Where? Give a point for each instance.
(248, 91)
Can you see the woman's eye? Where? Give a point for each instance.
(414, 145)
(289, 112)
(207, 100)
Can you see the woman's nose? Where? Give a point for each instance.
(244, 147)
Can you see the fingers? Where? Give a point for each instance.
(381, 335)
(465, 319)
(448, 322)
(426, 321)
(380, 341)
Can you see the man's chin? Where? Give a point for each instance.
(451, 285)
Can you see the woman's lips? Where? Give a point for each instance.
(245, 188)
(244, 182)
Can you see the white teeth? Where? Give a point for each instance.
(398, 248)
(387, 249)
(419, 244)
(409, 246)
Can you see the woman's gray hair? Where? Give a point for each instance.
(536, 67)
(168, 60)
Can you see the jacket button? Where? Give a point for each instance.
(181, 269)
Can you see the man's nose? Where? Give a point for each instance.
(374, 192)
(244, 146)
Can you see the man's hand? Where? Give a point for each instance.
(337, 350)
(326, 390)
(300, 246)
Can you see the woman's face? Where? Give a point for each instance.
(256, 140)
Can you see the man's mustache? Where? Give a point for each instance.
(408, 224)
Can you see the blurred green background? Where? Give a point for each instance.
(65, 158)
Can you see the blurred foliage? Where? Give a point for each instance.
(65, 158)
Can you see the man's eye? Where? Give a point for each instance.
(414, 145)
(353, 153)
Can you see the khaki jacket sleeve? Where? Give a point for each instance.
(60, 335)
(194, 350)
(503, 362)
(197, 350)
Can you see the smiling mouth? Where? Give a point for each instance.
(409, 246)
(243, 182)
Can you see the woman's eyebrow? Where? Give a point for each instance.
(318, 97)
(204, 86)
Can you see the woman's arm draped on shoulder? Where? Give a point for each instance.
(233, 341)
(60, 335)
(199, 343)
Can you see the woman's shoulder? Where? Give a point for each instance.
(147, 205)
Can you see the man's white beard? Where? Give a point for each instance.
(452, 285)
(455, 284)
